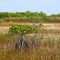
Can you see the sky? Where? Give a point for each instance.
(47, 6)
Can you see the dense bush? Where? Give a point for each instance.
(24, 29)
(28, 16)
(22, 16)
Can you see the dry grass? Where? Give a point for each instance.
(47, 49)
(4, 27)
(26, 23)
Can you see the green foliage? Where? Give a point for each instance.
(29, 16)
(26, 16)
(24, 29)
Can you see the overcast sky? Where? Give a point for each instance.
(47, 6)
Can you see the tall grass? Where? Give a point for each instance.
(46, 48)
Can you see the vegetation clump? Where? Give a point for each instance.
(24, 29)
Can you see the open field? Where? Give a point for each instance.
(47, 48)
(4, 27)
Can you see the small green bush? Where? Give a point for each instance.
(24, 29)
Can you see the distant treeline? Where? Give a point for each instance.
(28, 16)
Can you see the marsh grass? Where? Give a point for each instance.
(47, 48)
